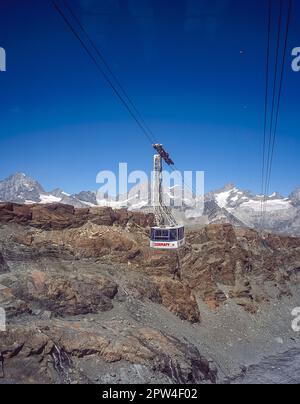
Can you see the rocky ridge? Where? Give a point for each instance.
(74, 284)
(227, 205)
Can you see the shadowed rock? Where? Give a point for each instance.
(3, 265)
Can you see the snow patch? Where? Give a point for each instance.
(222, 198)
(276, 204)
(90, 204)
(140, 205)
(49, 199)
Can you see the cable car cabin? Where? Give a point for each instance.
(167, 238)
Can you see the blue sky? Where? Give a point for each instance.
(181, 63)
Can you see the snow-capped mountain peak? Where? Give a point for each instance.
(280, 213)
(19, 188)
(228, 187)
(230, 196)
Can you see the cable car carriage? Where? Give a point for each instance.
(167, 238)
(168, 234)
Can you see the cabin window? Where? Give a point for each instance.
(181, 233)
(173, 235)
(158, 235)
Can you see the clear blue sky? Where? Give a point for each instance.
(181, 63)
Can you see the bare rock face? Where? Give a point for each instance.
(58, 216)
(40, 349)
(12, 305)
(23, 352)
(178, 298)
(242, 261)
(65, 271)
(3, 265)
(216, 255)
(67, 295)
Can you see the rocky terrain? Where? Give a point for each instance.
(87, 301)
(226, 205)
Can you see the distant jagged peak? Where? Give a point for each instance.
(230, 186)
(20, 188)
(19, 175)
(88, 197)
(58, 192)
(20, 181)
(276, 195)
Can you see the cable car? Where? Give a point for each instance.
(167, 235)
(167, 238)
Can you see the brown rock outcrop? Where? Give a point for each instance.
(58, 216)
(67, 295)
(239, 259)
(41, 348)
(216, 257)
(57, 262)
(178, 298)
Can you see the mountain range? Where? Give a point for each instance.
(226, 205)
